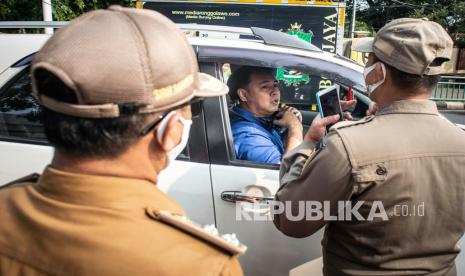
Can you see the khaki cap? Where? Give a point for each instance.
(122, 57)
(415, 46)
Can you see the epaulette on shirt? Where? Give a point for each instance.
(345, 124)
(208, 233)
(33, 177)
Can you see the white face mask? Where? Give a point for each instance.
(174, 152)
(367, 70)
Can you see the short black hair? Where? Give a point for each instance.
(410, 81)
(85, 137)
(240, 78)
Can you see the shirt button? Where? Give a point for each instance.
(381, 170)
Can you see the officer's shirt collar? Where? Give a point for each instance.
(103, 191)
(410, 106)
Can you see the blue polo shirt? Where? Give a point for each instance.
(254, 139)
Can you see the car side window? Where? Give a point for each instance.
(20, 118)
(20, 111)
(258, 139)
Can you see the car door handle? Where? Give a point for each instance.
(237, 196)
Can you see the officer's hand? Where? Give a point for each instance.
(372, 109)
(346, 105)
(317, 129)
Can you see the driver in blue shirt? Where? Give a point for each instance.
(262, 132)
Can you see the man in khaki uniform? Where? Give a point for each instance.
(116, 86)
(404, 166)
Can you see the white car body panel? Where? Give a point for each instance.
(278, 253)
(18, 160)
(189, 184)
(24, 45)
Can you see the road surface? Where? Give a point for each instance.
(457, 117)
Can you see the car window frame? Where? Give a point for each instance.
(219, 133)
(342, 74)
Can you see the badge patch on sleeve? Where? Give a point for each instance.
(208, 233)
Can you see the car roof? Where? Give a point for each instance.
(325, 64)
(253, 45)
(17, 46)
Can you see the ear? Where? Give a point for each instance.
(172, 135)
(242, 93)
(376, 75)
(379, 74)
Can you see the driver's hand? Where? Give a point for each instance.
(295, 111)
(292, 120)
(289, 118)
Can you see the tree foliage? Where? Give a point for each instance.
(360, 25)
(12, 10)
(449, 13)
(63, 10)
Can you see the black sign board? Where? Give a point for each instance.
(315, 24)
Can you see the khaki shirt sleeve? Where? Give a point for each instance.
(231, 268)
(310, 176)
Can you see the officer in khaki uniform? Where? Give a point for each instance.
(115, 86)
(404, 155)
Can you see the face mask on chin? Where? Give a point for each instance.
(367, 70)
(174, 152)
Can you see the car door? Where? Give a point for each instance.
(24, 148)
(269, 251)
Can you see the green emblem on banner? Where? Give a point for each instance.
(291, 77)
(296, 30)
